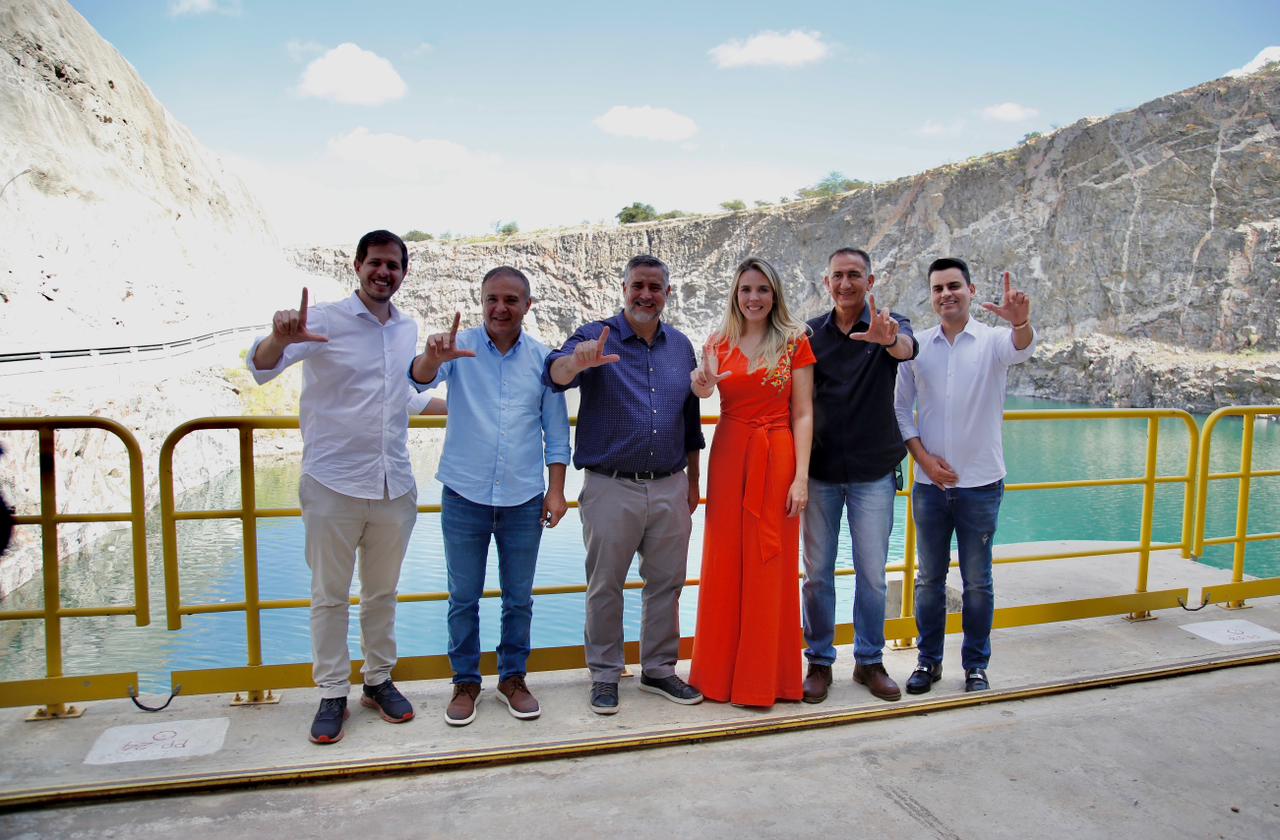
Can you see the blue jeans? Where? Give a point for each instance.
(971, 513)
(467, 528)
(870, 508)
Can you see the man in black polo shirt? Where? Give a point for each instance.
(856, 449)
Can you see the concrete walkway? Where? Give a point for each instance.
(1167, 758)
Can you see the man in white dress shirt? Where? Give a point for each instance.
(357, 489)
(957, 382)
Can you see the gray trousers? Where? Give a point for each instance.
(621, 517)
(336, 527)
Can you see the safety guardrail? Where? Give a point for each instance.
(1233, 595)
(1136, 605)
(257, 680)
(57, 690)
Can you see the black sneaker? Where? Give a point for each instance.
(604, 698)
(673, 688)
(923, 678)
(327, 726)
(389, 702)
(975, 679)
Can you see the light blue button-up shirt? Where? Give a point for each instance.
(504, 424)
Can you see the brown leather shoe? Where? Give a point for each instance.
(462, 708)
(816, 683)
(513, 693)
(877, 681)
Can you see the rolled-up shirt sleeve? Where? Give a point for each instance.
(555, 427)
(586, 332)
(442, 374)
(904, 401)
(694, 439)
(1010, 355)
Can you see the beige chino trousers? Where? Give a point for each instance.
(338, 528)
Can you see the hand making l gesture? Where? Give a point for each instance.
(1016, 306)
(443, 346)
(883, 329)
(589, 354)
(706, 376)
(289, 326)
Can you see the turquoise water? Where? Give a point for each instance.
(211, 559)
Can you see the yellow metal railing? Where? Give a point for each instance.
(257, 679)
(1137, 604)
(57, 690)
(1233, 594)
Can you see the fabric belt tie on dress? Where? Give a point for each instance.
(757, 455)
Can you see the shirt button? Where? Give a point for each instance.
(650, 370)
(655, 411)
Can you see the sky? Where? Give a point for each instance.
(447, 117)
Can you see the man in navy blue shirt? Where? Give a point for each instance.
(856, 450)
(639, 436)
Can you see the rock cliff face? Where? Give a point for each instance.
(117, 228)
(1145, 239)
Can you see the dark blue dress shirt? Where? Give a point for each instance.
(637, 414)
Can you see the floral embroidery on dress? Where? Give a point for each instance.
(781, 375)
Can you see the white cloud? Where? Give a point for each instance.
(647, 122)
(300, 51)
(178, 8)
(933, 128)
(1262, 59)
(352, 76)
(1009, 112)
(362, 153)
(772, 49)
(422, 49)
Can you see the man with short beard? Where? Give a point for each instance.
(639, 437)
(357, 489)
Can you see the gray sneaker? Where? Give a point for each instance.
(673, 688)
(604, 698)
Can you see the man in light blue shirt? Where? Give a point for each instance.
(503, 425)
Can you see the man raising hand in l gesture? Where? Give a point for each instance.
(441, 347)
(288, 326)
(1016, 309)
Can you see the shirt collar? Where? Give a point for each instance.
(864, 319)
(355, 306)
(623, 326)
(488, 340)
(970, 328)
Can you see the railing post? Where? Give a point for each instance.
(1148, 514)
(908, 560)
(249, 530)
(1242, 508)
(52, 582)
(1189, 494)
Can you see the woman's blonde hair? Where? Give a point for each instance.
(782, 327)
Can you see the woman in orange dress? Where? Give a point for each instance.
(747, 646)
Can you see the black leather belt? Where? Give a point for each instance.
(633, 476)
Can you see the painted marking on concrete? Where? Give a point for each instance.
(153, 741)
(1232, 632)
